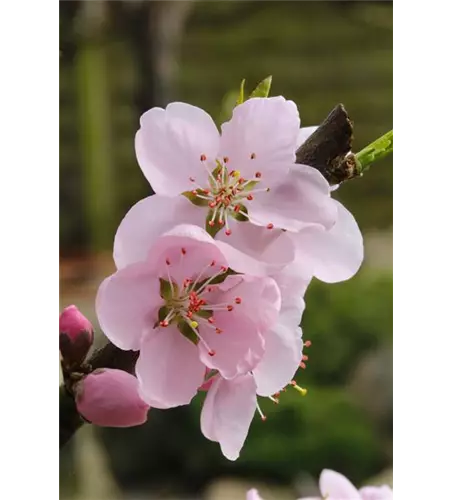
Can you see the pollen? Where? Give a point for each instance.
(236, 173)
(194, 324)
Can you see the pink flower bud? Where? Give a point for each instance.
(76, 336)
(110, 398)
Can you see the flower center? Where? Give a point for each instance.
(227, 194)
(192, 303)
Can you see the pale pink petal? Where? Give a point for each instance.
(292, 287)
(186, 251)
(126, 303)
(335, 486)
(282, 357)
(304, 133)
(334, 255)
(168, 368)
(260, 298)
(256, 250)
(169, 146)
(253, 495)
(237, 349)
(300, 200)
(376, 493)
(227, 413)
(146, 221)
(261, 137)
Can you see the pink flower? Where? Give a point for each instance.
(110, 398)
(218, 182)
(184, 313)
(76, 336)
(335, 486)
(230, 405)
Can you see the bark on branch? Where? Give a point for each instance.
(327, 150)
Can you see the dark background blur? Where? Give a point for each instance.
(120, 58)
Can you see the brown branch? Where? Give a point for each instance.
(326, 150)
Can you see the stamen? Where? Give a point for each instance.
(307, 343)
(301, 390)
(263, 417)
(211, 352)
(218, 330)
(249, 197)
(183, 250)
(305, 357)
(225, 159)
(270, 226)
(276, 401)
(258, 175)
(203, 157)
(238, 300)
(253, 156)
(303, 365)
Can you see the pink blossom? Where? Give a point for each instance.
(184, 313)
(76, 336)
(246, 174)
(230, 405)
(110, 398)
(335, 486)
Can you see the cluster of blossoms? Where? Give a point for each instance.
(212, 268)
(335, 486)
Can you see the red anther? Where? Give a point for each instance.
(293, 382)
(203, 158)
(237, 208)
(241, 180)
(276, 395)
(211, 223)
(250, 197)
(307, 343)
(167, 261)
(211, 320)
(263, 418)
(225, 159)
(305, 357)
(221, 222)
(213, 263)
(164, 323)
(218, 330)
(212, 204)
(192, 179)
(202, 302)
(270, 226)
(212, 353)
(302, 365)
(258, 175)
(253, 156)
(206, 191)
(228, 232)
(238, 300)
(224, 268)
(189, 314)
(230, 308)
(183, 250)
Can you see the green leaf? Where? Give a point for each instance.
(196, 200)
(263, 88)
(212, 230)
(187, 332)
(241, 97)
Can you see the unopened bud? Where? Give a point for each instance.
(76, 336)
(110, 398)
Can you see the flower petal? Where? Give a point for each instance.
(304, 133)
(256, 250)
(282, 357)
(227, 413)
(334, 255)
(146, 221)
(300, 200)
(126, 303)
(376, 493)
(169, 145)
(253, 495)
(237, 349)
(261, 137)
(168, 368)
(186, 251)
(260, 298)
(335, 486)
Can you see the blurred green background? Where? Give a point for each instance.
(118, 59)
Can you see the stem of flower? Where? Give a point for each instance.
(375, 151)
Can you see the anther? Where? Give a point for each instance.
(183, 250)
(258, 175)
(203, 158)
(212, 353)
(167, 261)
(225, 159)
(253, 156)
(164, 323)
(218, 330)
(212, 204)
(230, 308)
(228, 232)
(224, 268)
(250, 197)
(238, 300)
(213, 263)
(305, 357)
(192, 179)
(211, 320)
(270, 226)
(307, 343)
(302, 365)
(211, 223)
(237, 208)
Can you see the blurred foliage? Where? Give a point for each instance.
(319, 53)
(326, 428)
